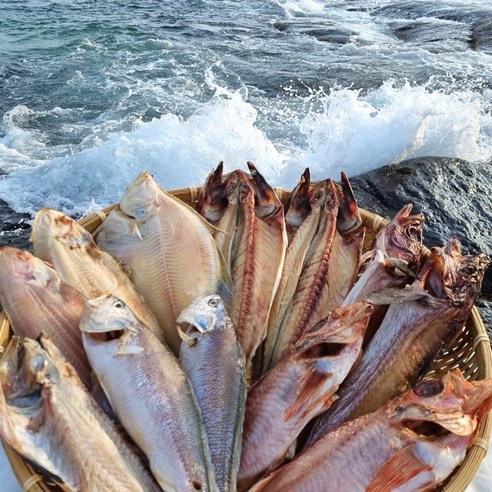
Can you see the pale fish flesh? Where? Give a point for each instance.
(295, 257)
(150, 394)
(48, 417)
(35, 299)
(258, 259)
(423, 317)
(301, 386)
(305, 308)
(213, 360)
(411, 444)
(66, 245)
(168, 248)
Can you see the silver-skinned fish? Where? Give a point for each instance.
(49, 418)
(213, 360)
(150, 394)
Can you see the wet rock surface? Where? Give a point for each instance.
(455, 197)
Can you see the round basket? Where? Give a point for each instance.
(470, 352)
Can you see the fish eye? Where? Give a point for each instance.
(428, 388)
(470, 270)
(212, 302)
(118, 304)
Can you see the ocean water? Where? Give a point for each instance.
(93, 92)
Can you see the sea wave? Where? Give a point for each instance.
(341, 129)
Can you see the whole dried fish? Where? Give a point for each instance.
(35, 299)
(301, 386)
(149, 393)
(416, 326)
(67, 246)
(213, 360)
(48, 417)
(413, 443)
(168, 248)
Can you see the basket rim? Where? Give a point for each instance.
(457, 482)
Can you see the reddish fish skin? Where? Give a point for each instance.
(402, 238)
(405, 450)
(414, 329)
(35, 299)
(299, 387)
(212, 200)
(298, 205)
(394, 258)
(258, 258)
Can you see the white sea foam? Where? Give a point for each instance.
(343, 130)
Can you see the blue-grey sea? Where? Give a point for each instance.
(92, 92)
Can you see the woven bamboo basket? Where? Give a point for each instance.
(470, 352)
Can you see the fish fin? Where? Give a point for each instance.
(224, 286)
(305, 396)
(397, 471)
(395, 295)
(210, 227)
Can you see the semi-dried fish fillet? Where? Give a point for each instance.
(66, 245)
(35, 299)
(168, 248)
(48, 417)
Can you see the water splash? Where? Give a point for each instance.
(328, 132)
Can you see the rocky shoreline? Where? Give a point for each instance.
(453, 194)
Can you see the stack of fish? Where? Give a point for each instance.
(244, 345)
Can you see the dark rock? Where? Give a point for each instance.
(15, 228)
(482, 36)
(435, 37)
(454, 196)
(321, 30)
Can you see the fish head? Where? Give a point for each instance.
(267, 203)
(336, 340)
(298, 205)
(401, 238)
(204, 314)
(108, 320)
(24, 369)
(141, 197)
(50, 225)
(447, 274)
(437, 407)
(22, 266)
(349, 219)
(212, 199)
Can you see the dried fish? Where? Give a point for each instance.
(213, 360)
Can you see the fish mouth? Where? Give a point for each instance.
(324, 349)
(425, 428)
(105, 336)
